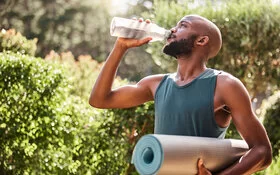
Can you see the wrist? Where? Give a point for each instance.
(119, 45)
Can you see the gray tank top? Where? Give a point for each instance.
(189, 109)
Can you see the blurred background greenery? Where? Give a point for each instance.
(52, 51)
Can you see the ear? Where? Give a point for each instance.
(202, 40)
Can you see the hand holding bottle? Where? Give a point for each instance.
(127, 43)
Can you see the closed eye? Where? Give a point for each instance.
(183, 24)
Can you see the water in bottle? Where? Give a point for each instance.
(128, 28)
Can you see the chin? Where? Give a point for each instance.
(168, 52)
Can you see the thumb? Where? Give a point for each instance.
(201, 168)
(200, 165)
(200, 162)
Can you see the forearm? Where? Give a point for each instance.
(104, 82)
(254, 160)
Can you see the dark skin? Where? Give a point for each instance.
(229, 91)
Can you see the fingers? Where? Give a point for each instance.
(200, 164)
(148, 21)
(201, 168)
(127, 43)
(141, 42)
(142, 20)
(134, 42)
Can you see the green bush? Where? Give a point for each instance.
(41, 124)
(130, 125)
(46, 130)
(11, 40)
(274, 169)
(271, 116)
(82, 71)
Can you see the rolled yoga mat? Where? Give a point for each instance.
(176, 155)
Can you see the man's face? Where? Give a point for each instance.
(181, 41)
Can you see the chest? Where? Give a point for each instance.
(181, 98)
(193, 98)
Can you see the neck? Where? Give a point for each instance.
(189, 68)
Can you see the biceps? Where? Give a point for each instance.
(244, 118)
(235, 96)
(129, 96)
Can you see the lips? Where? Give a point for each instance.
(171, 37)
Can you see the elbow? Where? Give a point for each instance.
(97, 103)
(268, 159)
(93, 100)
(266, 153)
(91, 103)
(94, 103)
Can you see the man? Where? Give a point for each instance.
(195, 100)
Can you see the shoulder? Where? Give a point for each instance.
(151, 79)
(151, 82)
(227, 80)
(228, 86)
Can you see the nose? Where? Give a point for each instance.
(173, 30)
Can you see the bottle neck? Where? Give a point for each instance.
(167, 34)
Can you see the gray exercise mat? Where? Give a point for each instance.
(176, 155)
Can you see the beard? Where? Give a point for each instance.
(181, 47)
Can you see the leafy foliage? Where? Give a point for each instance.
(15, 42)
(131, 124)
(46, 130)
(40, 122)
(271, 115)
(61, 25)
(82, 72)
(274, 167)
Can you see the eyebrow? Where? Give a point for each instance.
(182, 21)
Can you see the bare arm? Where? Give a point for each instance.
(102, 95)
(236, 97)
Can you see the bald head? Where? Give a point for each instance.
(204, 27)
